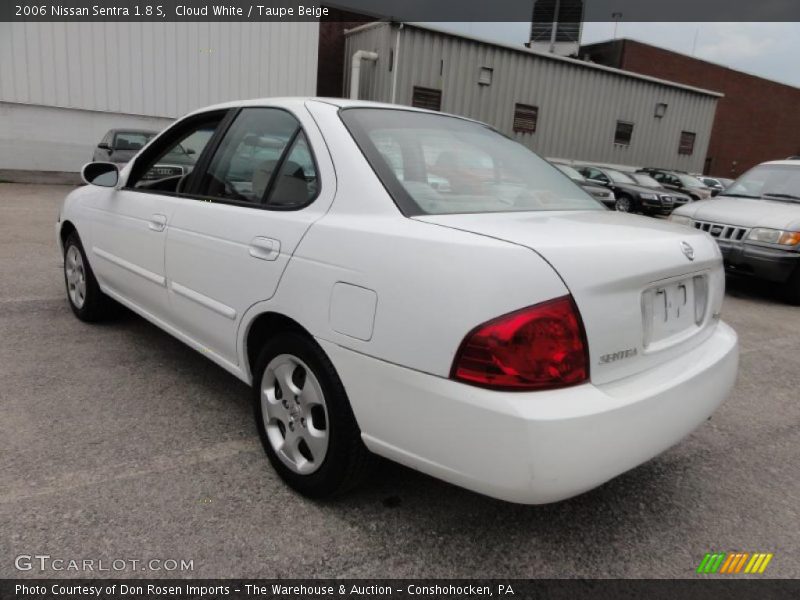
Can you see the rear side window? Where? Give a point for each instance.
(296, 182)
(130, 140)
(437, 164)
(264, 155)
(248, 155)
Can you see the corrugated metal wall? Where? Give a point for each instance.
(154, 69)
(579, 105)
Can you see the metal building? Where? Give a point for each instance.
(63, 85)
(560, 107)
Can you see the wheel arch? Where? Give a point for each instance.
(262, 327)
(67, 227)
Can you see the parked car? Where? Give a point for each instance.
(503, 332)
(629, 195)
(648, 182)
(120, 145)
(600, 192)
(715, 184)
(756, 222)
(680, 182)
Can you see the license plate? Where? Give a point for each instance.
(668, 310)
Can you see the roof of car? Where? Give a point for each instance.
(298, 101)
(793, 162)
(131, 130)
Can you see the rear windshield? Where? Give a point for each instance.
(436, 164)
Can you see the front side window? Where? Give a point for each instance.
(169, 165)
(434, 164)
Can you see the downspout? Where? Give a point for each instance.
(396, 65)
(355, 70)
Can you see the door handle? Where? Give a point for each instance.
(157, 222)
(265, 248)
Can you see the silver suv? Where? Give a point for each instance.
(756, 222)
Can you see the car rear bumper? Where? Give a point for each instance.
(537, 447)
(771, 264)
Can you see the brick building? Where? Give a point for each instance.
(756, 120)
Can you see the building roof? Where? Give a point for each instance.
(546, 55)
(623, 41)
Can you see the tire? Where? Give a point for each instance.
(791, 289)
(85, 298)
(292, 425)
(624, 204)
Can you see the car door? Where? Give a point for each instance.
(129, 227)
(596, 176)
(253, 200)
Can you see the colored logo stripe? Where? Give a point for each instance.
(758, 564)
(722, 562)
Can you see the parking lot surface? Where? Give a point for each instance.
(119, 442)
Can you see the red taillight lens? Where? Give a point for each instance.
(536, 348)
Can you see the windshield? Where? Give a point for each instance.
(690, 181)
(619, 176)
(645, 180)
(570, 172)
(436, 164)
(771, 182)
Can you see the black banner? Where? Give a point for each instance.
(401, 10)
(733, 588)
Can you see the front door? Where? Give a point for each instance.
(228, 245)
(129, 229)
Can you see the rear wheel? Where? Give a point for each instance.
(624, 204)
(307, 427)
(85, 298)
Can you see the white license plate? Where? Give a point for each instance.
(668, 310)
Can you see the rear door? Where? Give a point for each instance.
(231, 238)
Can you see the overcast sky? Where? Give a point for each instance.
(771, 50)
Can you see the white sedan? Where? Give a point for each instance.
(415, 285)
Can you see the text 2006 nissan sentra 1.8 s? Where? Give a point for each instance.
(404, 283)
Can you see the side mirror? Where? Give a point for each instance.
(597, 181)
(104, 174)
(190, 151)
(104, 146)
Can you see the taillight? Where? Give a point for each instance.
(536, 348)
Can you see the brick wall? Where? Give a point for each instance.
(757, 120)
(331, 59)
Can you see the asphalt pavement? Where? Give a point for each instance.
(117, 442)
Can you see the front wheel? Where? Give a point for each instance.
(85, 298)
(623, 204)
(304, 419)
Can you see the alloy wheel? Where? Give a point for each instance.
(295, 414)
(623, 204)
(76, 276)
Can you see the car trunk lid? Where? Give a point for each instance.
(631, 278)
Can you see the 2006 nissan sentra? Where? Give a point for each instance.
(413, 285)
